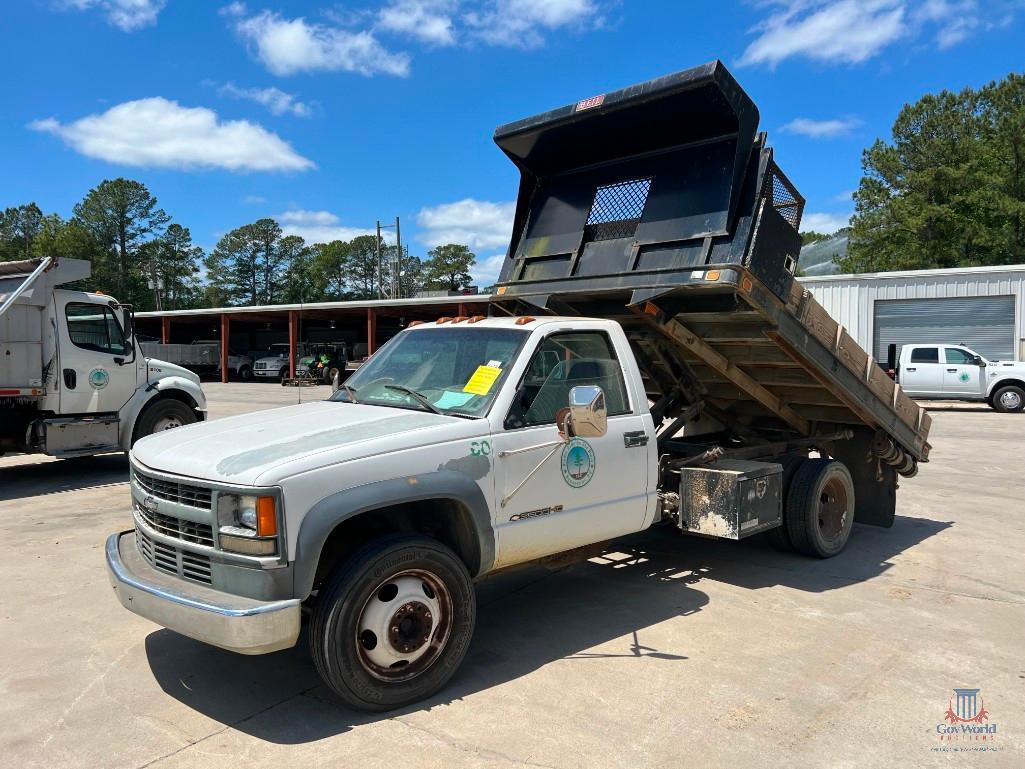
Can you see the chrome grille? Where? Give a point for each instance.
(173, 560)
(174, 491)
(179, 528)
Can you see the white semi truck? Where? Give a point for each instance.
(72, 382)
(649, 360)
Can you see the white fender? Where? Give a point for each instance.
(145, 394)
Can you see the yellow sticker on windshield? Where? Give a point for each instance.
(482, 380)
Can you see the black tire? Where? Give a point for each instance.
(1009, 400)
(778, 537)
(341, 651)
(163, 414)
(819, 511)
(329, 374)
(245, 373)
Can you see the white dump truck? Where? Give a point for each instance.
(648, 360)
(956, 372)
(72, 382)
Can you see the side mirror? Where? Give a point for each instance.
(586, 416)
(978, 361)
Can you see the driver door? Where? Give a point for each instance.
(94, 373)
(961, 374)
(552, 495)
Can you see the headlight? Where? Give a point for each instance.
(248, 523)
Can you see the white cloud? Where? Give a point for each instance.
(277, 101)
(821, 129)
(159, 133)
(254, 200)
(521, 23)
(845, 197)
(318, 226)
(825, 223)
(429, 21)
(126, 15)
(955, 21)
(486, 269)
(479, 224)
(836, 31)
(287, 46)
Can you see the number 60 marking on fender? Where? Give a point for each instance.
(480, 448)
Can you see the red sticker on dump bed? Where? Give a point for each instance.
(594, 101)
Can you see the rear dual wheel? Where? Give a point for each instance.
(393, 623)
(818, 507)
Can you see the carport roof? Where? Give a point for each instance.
(423, 301)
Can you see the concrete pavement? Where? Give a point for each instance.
(664, 652)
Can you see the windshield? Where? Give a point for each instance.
(454, 370)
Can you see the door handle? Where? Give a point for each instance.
(635, 438)
(70, 378)
(911, 369)
(952, 370)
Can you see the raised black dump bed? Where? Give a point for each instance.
(660, 206)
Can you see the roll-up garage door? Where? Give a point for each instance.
(983, 323)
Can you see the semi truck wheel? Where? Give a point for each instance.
(1009, 400)
(819, 508)
(393, 623)
(164, 414)
(778, 537)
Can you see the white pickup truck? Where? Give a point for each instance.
(954, 372)
(651, 360)
(72, 381)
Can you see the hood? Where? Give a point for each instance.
(1004, 365)
(272, 359)
(264, 447)
(158, 369)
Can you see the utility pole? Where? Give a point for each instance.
(377, 246)
(397, 272)
(394, 280)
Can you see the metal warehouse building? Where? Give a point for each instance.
(981, 307)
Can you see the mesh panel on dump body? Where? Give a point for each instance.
(783, 196)
(617, 209)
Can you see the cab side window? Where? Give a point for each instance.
(954, 355)
(925, 355)
(94, 327)
(560, 363)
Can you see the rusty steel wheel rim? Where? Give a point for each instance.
(833, 509)
(404, 625)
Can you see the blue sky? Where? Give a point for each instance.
(330, 116)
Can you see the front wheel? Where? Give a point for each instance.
(393, 623)
(1009, 400)
(165, 414)
(245, 373)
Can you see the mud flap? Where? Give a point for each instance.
(875, 482)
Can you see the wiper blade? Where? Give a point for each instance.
(350, 391)
(420, 397)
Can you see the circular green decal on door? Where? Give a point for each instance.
(98, 378)
(577, 463)
(965, 376)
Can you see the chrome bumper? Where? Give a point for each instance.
(231, 622)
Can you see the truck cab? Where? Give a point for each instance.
(956, 372)
(72, 379)
(274, 365)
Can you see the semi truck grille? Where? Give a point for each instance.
(179, 528)
(173, 560)
(173, 491)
